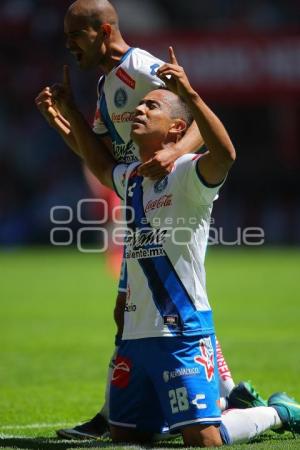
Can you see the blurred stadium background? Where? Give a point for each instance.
(244, 59)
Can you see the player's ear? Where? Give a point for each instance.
(178, 127)
(106, 30)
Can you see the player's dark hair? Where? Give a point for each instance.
(179, 109)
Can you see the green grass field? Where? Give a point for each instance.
(57, 334)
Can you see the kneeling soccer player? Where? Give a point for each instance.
(165, 370)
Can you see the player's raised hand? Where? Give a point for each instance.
(46, 105)
(62, 93)
(174, 76)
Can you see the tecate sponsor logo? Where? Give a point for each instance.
(124, 117)
(161, 202)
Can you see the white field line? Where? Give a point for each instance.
(34, 425)
(13, 436)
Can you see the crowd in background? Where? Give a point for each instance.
(37, 171)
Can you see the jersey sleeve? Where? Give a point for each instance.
(146, 66)
(98, 125)
(191, 183)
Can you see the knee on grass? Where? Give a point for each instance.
(201, 436)
(129, 435)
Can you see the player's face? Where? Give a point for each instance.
(152, 118)
(83, 41)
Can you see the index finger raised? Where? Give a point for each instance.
(172, 56)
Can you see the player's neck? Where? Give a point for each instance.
(147, 150)
(116, 52)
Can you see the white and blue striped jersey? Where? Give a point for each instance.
(166, 238)
(119, 93)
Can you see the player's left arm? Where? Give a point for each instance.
(162, 162)
(214, 165)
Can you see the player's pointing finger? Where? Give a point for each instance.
(172, 56)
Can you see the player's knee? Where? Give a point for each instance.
(119, 434)
(128, 435)
(201, 436)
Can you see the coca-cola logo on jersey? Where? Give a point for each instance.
(124, 117)
(161, 202)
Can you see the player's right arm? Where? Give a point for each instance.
(50, 111)
(101, 163)
(45, 104)
(58, 107)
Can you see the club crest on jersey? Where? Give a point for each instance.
(206, 357)
(161, 185)
(120, 98)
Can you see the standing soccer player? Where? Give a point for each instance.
(94, 38)
(166, 368)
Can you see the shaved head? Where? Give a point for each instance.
(92, 34)
(95, 12)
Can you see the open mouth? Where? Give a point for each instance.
(137, 121)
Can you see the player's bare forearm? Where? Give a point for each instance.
(92, 149)
(96, 156)
(63, 127)
(216, 138)
(163, 161)
(65, 132)
(46, 105)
